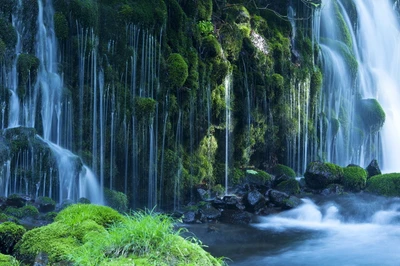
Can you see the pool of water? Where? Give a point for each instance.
(347, 230)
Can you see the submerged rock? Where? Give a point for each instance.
(283, 200)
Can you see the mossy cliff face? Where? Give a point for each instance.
(146, 84)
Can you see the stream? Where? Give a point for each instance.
(340, 230)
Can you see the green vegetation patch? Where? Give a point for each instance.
(77, 213)
(6, 260)
(10, 234)
(281, 169)
(116, 200)
(385, 184)
(354, 178)
(177, 70)
(372, 114)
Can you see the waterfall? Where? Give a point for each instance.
(228, 83)
(360, 59)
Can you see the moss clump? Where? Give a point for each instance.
(86, 12)
(258, 177)
(344, 32)
(148, 13)
(8, 33)
(372, 114)
(116, 200)
(61, 26)
(6, 260)
(205, 8)
(354, 178)
(290, 186)
(385, 184)
(54, 239)
(319, 175)
(10, 234)
(177, 70)
(27, 65)
(78, 213)
(210, 47)
(144, 107)
(15, 212)
(281, 169)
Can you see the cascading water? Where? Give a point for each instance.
(228, 83)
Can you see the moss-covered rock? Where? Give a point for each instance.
(373, 169)
(54, 239)
(144, 107)
(10, 234)
(86, 12)
(8, 33)
(258, 177)
(27, 66)
(371, 114)
(354, 178)
(281, 169)
(46, 204)
(385, 184)
(290, 186)
(177, 70)
(116, 200)
(61, 26)
(319, 175)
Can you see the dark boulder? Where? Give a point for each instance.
(254, 201)
(290, 186)
(373, 169)
(283, 200)
(333, 189)
(17, 201)
(45, 204)
(280, 178)
(190, 217)
(208, 213)
(319, 175)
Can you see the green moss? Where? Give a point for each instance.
(10, 234)
(16, 212)
(354, 178)
(144, 107)
(231, 38)
(281, 169)
(78, 213)
(86, 12)
(6, 260)
(116, 200)
(371, 114)
(61, 26)
(315, 85)
(218, 189)
(29, 211)
(8, 33)
(2, 48)
(148, 13)
(177, 70)
(344, 32)
(290, 186)
(385, 184)
(210, 47)
(54, 239)
(204, 8)
(27, 65)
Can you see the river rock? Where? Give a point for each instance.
(208, 213)
(41, 259)
(17, 201)
(279, 179)
(373, 168)
(283, 200)
(189, 217)
(319, 175)
(45, 204)
(289, 186)
(254, 201)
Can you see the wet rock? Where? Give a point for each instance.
(45, 204)
(373, 168)
(236, 217)
(17, 201)
(319, 175)
(189, 217)
(279, 179)
(283, 200)
(208, 213)
(333, 189)
(42, 259)
(203, 194)
(289, 186)
(254, 201)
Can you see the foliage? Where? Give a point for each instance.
(116, 200)
(10, 234)
(205, 8)
(144, 107)
(77, 213)
(86, 12)
(141, 237)
(354, 178)
(205, 27)
(385, 184)
(27, 65)
(7, 33)
(177, 70)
